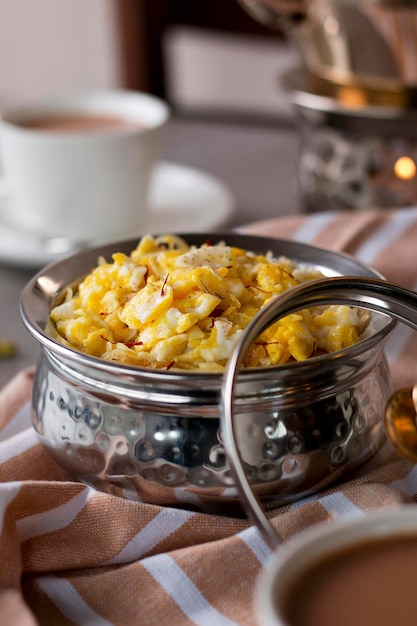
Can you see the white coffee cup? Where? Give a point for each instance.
(356, 571)
(78, 165)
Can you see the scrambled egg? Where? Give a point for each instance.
(171, 305)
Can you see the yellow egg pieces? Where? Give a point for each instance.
(172, 305)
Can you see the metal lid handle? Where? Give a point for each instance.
(374, 294)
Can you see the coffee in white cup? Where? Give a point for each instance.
(357, 572)
(78, 166)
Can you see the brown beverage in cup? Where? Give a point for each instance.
(369, 583)
(80, 123)
(358, 572)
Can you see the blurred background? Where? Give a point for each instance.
(206, 58)
(216, 65)
(332, 82)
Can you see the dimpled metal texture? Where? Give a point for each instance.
(289, 447)
(156, 435)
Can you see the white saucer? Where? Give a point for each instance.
(181, 199)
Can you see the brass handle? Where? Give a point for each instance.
(401, 422)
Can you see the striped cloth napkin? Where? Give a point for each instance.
(72, 555)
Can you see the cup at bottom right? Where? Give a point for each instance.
(357, 572)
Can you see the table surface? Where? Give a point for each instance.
(258, 165)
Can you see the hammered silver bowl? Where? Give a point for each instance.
(156, 436)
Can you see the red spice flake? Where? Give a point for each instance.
(132, 344)
(105, 313)
(286, 272)
(163, 285)
(258, 289)
(204, 287)
(168, 367)
(128, 344)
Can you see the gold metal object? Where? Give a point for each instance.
(401, 422)
(352, 92)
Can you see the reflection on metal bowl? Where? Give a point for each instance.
(155, 436)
